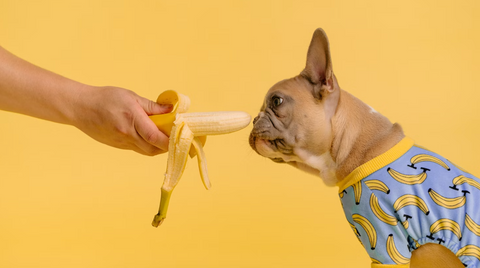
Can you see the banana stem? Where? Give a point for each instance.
(162, 210)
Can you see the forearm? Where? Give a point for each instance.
(111, 115)
(31, 90)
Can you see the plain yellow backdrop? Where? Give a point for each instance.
(68, 201)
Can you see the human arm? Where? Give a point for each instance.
(111, 115)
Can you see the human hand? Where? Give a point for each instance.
(119, 118)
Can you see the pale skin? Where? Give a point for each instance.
(114, 116)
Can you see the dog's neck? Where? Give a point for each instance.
(359, 134)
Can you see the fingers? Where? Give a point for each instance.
(151, 107)
(153, 140)
(151, 136)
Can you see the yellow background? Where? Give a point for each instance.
(68, 201)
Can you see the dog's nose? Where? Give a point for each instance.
(261, 125)
(255, 119)
(260, 115)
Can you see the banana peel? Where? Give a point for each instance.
(187, 135)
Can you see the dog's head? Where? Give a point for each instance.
(294, 123)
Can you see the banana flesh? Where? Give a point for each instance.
(187, 132)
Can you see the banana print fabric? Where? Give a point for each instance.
(408, 197)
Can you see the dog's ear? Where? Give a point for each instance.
(319, 64)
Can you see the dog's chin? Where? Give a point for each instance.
(267, 149)
(263, 147)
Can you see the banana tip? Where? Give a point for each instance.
(157, 221)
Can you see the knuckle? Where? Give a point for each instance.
(151, 137)
(129, 116)
(122, 130)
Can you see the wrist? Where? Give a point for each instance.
(78, 109)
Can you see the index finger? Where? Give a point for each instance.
(150, 133)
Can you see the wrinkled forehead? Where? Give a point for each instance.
(293, 88)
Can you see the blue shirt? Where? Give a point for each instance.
(410, 196)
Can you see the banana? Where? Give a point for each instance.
(450, 203)
(356, 232)
(375, 261)
(408, 179)
(357, 191)
(354, 229)
(471, 225)
(377, 185)
(380, 213)
(412, 243)
(469, 250)
(425, 157)
(406, 223)
(393, 252)
(187, 132)
(409, 199)
(446, 224)
(462, 179)
(368, 227)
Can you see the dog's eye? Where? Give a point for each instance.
(277, 101)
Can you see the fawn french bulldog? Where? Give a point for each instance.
(408, 206)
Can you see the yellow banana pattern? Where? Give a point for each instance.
(469, 250)
(357, 191)
(411, 200)
(393, 252)
(412, 243)
(428, 158)
(368, 227)
(408, 179)
(380, 213)
(450, 203)
(377, 185)
(355, 230)
(436, 200)
(446, 224)
(462, 179)
(406, 223)
(472, 225)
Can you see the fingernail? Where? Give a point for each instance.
(167, 106)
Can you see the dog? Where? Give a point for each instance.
(408, 206)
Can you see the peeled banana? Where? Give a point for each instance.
(187, 132)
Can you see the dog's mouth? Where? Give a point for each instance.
(267, 147)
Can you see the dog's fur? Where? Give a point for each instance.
(309, 122)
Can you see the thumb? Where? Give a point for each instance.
(151, 107)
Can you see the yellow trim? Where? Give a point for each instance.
(376, 163)
(374, 265)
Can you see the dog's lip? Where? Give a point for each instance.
(274, 145)
(268, 142)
